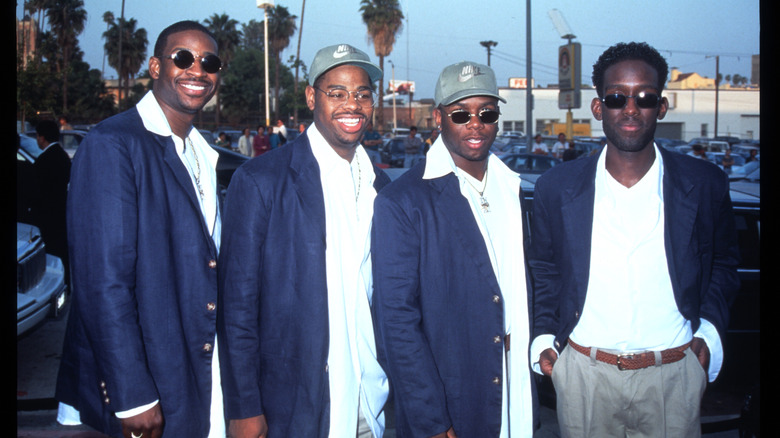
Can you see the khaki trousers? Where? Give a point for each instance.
(595, 399)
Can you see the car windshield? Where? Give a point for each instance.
(29, 145)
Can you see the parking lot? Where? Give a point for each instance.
(38, 357)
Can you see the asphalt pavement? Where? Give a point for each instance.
(38, 357)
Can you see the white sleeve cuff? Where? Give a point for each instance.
(541, 343)
(136, 411)
(709, 333)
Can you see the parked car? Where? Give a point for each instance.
(69, 139)
(717, 158)
(227, 164)
(41, 292)
(530, 166)
(208, 136)
(393, 152)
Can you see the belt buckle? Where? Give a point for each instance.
(628, 356)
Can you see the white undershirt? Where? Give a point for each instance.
(357, 381)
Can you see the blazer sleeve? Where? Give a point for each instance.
(244, 231)
(102, 231)
(724, 280)
(401, 342)
(544, 269)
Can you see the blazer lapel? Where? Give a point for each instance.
(577, 216)
(680, 211)
(464, 226)
(306, 179)
(182, 177)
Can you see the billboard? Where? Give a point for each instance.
(401, 87)
(569, 65)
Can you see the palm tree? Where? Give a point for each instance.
(281, 27)
(252, 35)
(228, 37)
(134, 43)
(108, 18)
(66, 18)
(384, 19)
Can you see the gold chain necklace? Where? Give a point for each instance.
(197, 164)
(357, 194)
(483, 202)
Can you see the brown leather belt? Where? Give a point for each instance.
(634, 361)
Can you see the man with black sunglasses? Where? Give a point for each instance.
(450, 283)
(140, 356)
(295, 319)
(629, 314)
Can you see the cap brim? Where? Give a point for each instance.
(469, 93)
(374, 72)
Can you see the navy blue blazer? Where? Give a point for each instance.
(142, 322)
(273, 308)
(699, 232)
(438, 309)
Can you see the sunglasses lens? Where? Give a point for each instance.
(643, 100)
(460, 117)
(647, 100)
(183, 59)
(488, 117)
(615, 101)
(211, 63)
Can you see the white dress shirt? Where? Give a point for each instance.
(357, 381)
(502, 231)
(630, 304)
(201, 163)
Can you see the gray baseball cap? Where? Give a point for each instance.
(342, 54)
(465, 79)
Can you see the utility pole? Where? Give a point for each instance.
(488, 45)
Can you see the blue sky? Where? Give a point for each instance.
(688, 33)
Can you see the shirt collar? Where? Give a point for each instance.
(329, 160)
(651, 184)
(439, 163)
(154, 121)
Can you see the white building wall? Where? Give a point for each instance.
(738, 110)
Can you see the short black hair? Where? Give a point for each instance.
(49, 130)
(629, 52)
(181, 26)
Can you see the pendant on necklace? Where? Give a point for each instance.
(484, 203)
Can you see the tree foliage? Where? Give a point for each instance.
(384, 20)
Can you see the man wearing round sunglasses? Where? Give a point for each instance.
(634, 257)
(300, 355)
(140, 354)
(450, 283)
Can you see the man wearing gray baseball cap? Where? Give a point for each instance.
(450, 283)
(295, 273)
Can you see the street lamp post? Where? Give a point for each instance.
(265, 4)
(395, 127)
(488, 45)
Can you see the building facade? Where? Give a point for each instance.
(691, 112)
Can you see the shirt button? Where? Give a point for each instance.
(211, 306)
(212, 264)
(497, 380)
(496, 299)
(496, 339)
(207, 348)
(106, 400)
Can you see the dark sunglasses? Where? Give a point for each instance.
(184, 59)
(462, 117)
(642, 100)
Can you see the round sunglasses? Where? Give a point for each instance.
(184, 59)
(462, 117)
(642, 100)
